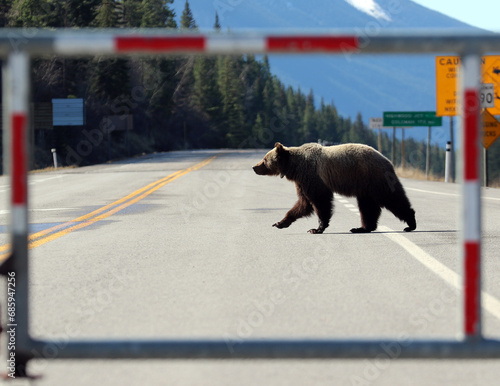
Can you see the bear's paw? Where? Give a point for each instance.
(360, 230)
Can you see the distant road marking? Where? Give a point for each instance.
(489, 302)
(43, 237)
(7, 211)
(433, 192)
(447, 194)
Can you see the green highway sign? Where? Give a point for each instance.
(411, 118)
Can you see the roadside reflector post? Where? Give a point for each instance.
(15, 97)
(471, 195)
(54, 157)
(447, 162)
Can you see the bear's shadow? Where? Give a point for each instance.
(389, 232)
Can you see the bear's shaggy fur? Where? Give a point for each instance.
(352, 170)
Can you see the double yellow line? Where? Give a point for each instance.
(53, 233)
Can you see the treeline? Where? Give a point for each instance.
(182, 102)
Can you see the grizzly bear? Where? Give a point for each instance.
(352, 170)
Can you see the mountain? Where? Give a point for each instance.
(354, 83)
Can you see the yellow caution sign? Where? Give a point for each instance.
(491, 74)
(447, 72)
(491, 129)
(446, 85)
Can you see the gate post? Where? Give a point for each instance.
(471, 195)
(15, 97)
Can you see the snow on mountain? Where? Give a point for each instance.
(355, 83)
(370, 7)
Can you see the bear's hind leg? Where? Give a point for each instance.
(410, 220)
(401, 208)
(370, 213)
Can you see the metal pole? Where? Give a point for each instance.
(485, 167)
(403, 148)
(471, 195)
(237, 348)
(447, 162)
(428, 155)
(17, 90)
(452, 140)
(393, 156)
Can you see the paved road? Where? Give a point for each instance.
(133, 250)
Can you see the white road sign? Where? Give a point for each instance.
(376, 123)
(487, 95)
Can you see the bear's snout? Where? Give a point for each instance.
(260, 168)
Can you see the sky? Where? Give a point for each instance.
(479, 13)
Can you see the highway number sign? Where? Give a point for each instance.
(487, 95)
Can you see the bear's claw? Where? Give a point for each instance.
(315, 231)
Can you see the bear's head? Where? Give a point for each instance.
(274, 162)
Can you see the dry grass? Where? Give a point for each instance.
(416, 174)
(51, 169)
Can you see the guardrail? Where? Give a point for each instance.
(19, 45)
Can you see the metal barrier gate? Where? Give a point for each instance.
(18, 48)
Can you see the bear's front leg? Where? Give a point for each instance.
(301, 208)
(321, 198)
(285, 223)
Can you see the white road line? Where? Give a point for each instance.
(448, 194)
(489, 302)
(7, 211)
(433, 192)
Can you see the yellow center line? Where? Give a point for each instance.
(47, 235)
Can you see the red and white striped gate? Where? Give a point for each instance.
(112, 42)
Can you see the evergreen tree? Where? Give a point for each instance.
(5, 6)
(79, 13)
(107, 15)
(187, 18)
(231, 90)
(217, 25)
(111, 77)
(157, 14)
(33, 14)
(309, 133)
(131, 13)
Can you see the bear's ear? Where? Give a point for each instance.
(279, 148)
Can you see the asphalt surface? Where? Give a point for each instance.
(195, 255)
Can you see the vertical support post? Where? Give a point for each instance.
(447, 162)
(17, 111)
(452, 140)
(393, 154)
(428, 155)
(403, 148)
(471, 194)
(485, 167)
